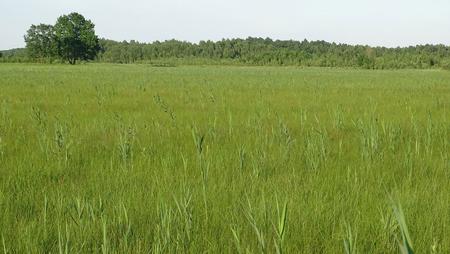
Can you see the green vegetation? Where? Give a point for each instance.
(72, 38)
(14, 56)
(258, 51)
(267, 52)
(41, 41)
(138, 159)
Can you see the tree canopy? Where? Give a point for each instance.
(72, 38)
(40, 41)
(75, 37)
(265, 51)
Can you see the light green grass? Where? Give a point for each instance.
(138, 159)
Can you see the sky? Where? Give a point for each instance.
(389, 23)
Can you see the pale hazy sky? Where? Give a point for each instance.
(377, 22)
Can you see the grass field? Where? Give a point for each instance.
(139, 159)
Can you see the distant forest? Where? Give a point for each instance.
(260, 51)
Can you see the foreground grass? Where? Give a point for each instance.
(116, 159)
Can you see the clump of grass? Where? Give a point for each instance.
(280, 227)
(5, 250)
(105, 245)
(165, 107)
(184, 222)
(350, 241)
(316, 149)
(405, 244)
(125, 146)
(163, 232)
(237, 239)
(257, 229)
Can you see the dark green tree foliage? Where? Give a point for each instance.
(75, 38)
(40, 41)
(259, 51)
(72, 38)
(14, 55)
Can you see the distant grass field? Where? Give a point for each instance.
(139, 159)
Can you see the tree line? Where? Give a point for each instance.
(73, 38)
(260, 51)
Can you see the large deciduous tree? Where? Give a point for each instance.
(76, 38)
(72, 38)
(40, 41)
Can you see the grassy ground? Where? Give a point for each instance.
(131, 158)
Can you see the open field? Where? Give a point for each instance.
(138, 159)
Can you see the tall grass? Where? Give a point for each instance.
(140, 159)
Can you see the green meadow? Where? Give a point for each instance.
(103, 158)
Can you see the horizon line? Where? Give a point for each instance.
(263, 38)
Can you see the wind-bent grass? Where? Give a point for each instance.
(139, 159)
(406, 243)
